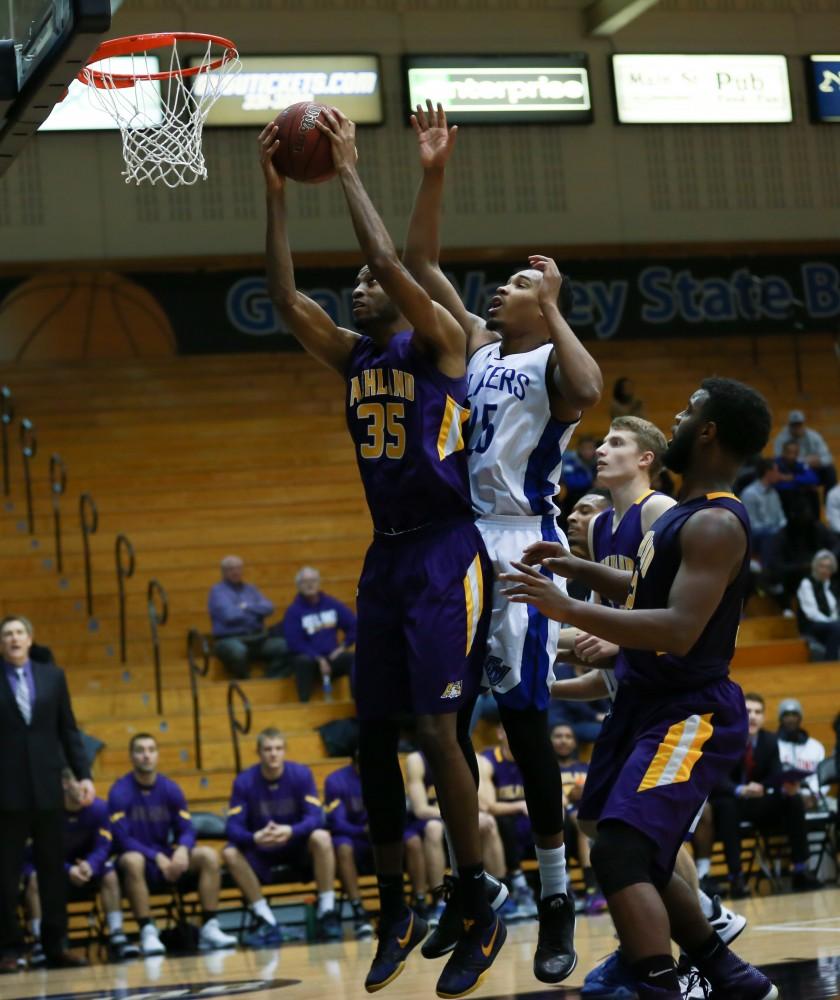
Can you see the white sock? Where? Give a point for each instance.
(704, 866)
(706, 904)
(453, 863)
(552, 862)
(115, 924)
(35, 927)
(518, 880)
(262, 910)
(326, 902)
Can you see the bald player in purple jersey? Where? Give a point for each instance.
(678, 721)
(421, 612)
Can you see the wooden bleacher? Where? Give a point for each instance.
(197, 457)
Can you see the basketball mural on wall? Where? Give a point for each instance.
(81, 315)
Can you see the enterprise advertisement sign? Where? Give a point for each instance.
(268, 84)
(824, 86)
(501, 89)
(701, 89)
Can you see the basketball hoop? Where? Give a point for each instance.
(160, 113)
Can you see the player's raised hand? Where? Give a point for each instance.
(435, 139)
(552, 280)
(268, 144)
(342, 135)
(529, 586)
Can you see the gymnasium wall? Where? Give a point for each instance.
(529, 186)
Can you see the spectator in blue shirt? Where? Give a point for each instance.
(276, 818)
(155, 841)
(765, 509)
(311, 627)
(796, 480)
(578, 471)
(237, 614)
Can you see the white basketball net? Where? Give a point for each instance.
(161, 121)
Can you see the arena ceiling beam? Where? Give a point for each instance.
(606, 17)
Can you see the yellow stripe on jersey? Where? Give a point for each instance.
(678, 753)
(722, 496)
(234, 811)
(643, 497)
(451, 437)
(473, 598)
(312, 800)
(332, 805)
(116, 817)
(184, 814)
(105, 833)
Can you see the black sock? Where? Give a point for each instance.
(709, 949)
(474, 894)
(659, 971)
(142, 921)
(589, 880)
(391, 900)
(207, 915)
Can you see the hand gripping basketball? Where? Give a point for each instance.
(302, 151)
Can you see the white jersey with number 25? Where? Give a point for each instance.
(514, 444)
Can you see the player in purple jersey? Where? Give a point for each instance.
(87, 861)
(678, 722)
(421, 608)
(154, 839)
(348, 823)
(530, 379)
(275, 818)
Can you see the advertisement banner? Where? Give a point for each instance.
(212, 311)
(824, 87)
(701, 89)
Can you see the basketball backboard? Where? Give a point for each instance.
(43, 45)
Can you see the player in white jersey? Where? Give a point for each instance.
(529, 380)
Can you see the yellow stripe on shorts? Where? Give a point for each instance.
(678, 752)
(451, 438)
(473, 598)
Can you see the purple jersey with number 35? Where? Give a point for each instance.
(406, 419)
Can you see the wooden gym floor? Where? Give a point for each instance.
(794, 938)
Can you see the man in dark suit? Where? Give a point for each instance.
(38, 734)
(755, 791)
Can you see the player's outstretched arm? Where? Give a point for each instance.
(606, 581)
(576, 380)
(713, 546)
(306, 320)
(435, 329)
(435, 142)
(588, 687)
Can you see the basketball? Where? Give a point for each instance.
(304, 153)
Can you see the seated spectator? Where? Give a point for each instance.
(754, 792)
(832, 511)
(811, 448)
(765, 509)
(625, 403)
(275, 818)
(573, 772)
(584, 717)
(799, 751)
(663, 482)
(348, 823)
(424, 816)
(502, 795)
(578, 471)
(311, 626)
(793, 550)
(87, 863)
(818, 596)
(154, 840)
(237, 616)
(795, 480)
